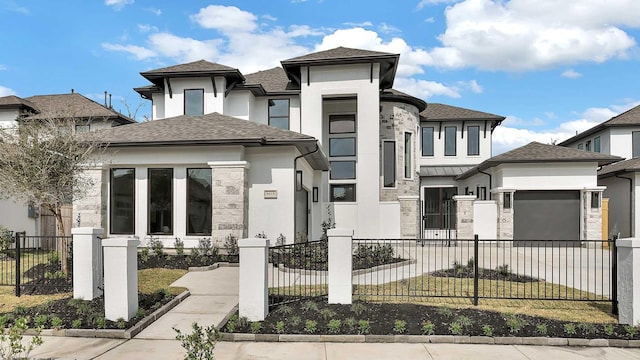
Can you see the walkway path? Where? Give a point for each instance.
(214, 295)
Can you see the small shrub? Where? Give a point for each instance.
(53, 258)
(327, 224)
(140, 312)
(503, 270)
(101, 322)
(487, 330)
(364, 327)
(630, 330)
(281, 240)
(279, 327)
(12, 344)
(309, 306)
(295, 320)
(358, 308)
(570, 329)
(156, 246)
(243, 321)
(285, 310)
(515, 323)
(608, 329)
(40, 320)
(56, 323)
(465, 321)
(310, 326)
(76, 324)
(471, 264)
(179, 246)
(428, 328)
(351, 324)
(144, 254)
(6, 238)
(456, 328)
(300, 238)
(231, 324)
(20, 310)
(121, 324)
(444, 311)
(587, 328)
(327, 314)
(542, 329)
(399, 326)
(256, 327)
(334, 325)
(56, 275)
(231, 245)
(200, 343)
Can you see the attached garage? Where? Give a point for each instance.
(546, 215)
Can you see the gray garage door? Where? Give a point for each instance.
(547, 215)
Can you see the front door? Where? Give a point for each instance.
(439, 216)
(302, 214)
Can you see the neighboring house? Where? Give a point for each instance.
(273, 152)
(88, 115)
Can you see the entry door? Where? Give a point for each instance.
(439, 216)
(302, 213)
(547, 215)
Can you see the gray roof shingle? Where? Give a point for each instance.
(195, 66)
(13, 101)
(272, 80)
(337, 53)
(395, 95)
(630, 117)
(442, 112)
(631, 165)
(73, 105)
(535, 152)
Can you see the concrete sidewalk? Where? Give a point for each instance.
(214, 295)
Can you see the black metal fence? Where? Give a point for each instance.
(490, 269)
(37, 264)
(297, 271)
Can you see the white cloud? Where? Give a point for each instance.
(571, 74)
(118, 4)
(362, 24)
(473, 86)
(430, 20)
(2, 67)
(226, 19)
(183, 49)
(269, 17)
(388, 29)
(425, 89)
(5, 91)
(139, 52)
(154, 11)
(424, 3)
(520, 35)
(14, 7)
(145, 28)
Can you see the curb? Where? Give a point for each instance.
(432, 339)
(213, 266)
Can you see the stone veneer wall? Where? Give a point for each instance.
(464, 216)
(592, 218)
(395, 119)
(230, 200)
(89, 209)
(505, 216)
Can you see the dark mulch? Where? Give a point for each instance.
(183, 262)
(484, 274)
(382, 318)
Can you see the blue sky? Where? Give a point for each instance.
(551, 67)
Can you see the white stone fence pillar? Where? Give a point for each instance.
(254, 297)
(120, 278)
(340, 266)
(628, 281)
(87, 262)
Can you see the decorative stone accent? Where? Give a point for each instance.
(505, 216)
(592, 217)
(88, 209)
(409, 217)
(230, 199)
(464, 215)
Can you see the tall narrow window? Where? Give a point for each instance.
(450, 141)
(123, 201)
(389, 166)
(160, 192)
(194, 102)
(587, 145)
(427, 141)
(580, 146)
(279, 113)
(199, 201)
(473, 140)
(595, 200)
(596, 144)
(506, 200)
(635, 143)
(407, 155)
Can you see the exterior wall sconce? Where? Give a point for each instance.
(298, 180)
(315, 194)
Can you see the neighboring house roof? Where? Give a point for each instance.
(272, 81)
(626, 166)
(193, 69)
(209, 129)
(14, 102)
(73, 105)
(441, 112)
(395, 95)
(434, 171)
(630, 117)
(342, 55)
(536, 152)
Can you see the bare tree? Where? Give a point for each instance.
(41, 163)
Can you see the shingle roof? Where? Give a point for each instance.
(631, 165)
(442, 112)
(195, 66)
(342, 55)
(535, 152)
(272, 80)
(13, 101)
(630, 117)
(395, 95)
(73, 105)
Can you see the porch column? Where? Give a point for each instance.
(464, 216)
(340, 266)
(254, 290)
(592, 213)
(88, 210)
(230, 203)
(120, 278)
(628, 281)
(504, 200)
(409, 217)
(87, 263)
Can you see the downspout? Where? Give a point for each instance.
(631, 232)
(489, 175)
(295, 185)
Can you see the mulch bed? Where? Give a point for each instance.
(484, 274)
(382, 318)
(183, 262)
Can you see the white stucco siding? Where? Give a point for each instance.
(14, 217)
(238, 104)
(172, 155)
(157, 107)
(475, 182)
(390, 227)
(174, 105)
(547, 176)
(462, 157)
(621, 141)
(620, 211)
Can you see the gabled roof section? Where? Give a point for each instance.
(342, 55)
(193, 69)
(626, 166)
(73, 105)
(15, 102)
(209, 129)
(535, 152)
(274, 80)
(395, 95)
(442, 112)
(630, 117)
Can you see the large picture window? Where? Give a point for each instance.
(389, 163)
(279, 113)
(473, 140)
(450, 141)
(194, 102)
(123, 201)
(427, 141)
(160, 201)
(199, 201)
